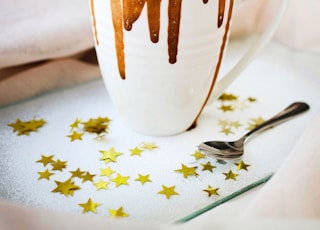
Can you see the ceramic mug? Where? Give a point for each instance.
(160, 58)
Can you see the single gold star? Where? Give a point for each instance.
(77, 173)
(149, 146)
(187, 171)
(228, 97)
(46, 160)
(106, 172)
(230, 175)
(208, 166)
(118, 213)
(136, 151)
(198, 155)
(168, 191)
(223, 123)
(87, 177)
(242, 165)
(252, 99)
(119, 180)
(110, 155)
(66, 188)
(226, 108)
(235, 124)
(101, 184)
(226, 131)
(211, 191)
(59, 165)
(75, 136)
(143, 179)
(90, 206)
(45, 175)
(75, 124)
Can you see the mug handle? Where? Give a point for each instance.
(257, 47)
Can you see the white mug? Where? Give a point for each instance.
(160, 58)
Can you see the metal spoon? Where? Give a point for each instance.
(228, 150)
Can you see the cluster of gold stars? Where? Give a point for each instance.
(98, 126)
(25, 127)
(231, 102)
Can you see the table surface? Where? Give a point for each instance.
(275, 79)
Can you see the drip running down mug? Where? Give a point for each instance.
(160, 58)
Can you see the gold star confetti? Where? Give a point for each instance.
(235, 124)
(198, 155)
(90, 206)
(66, 188)
(149, 146)
(168, 191)
(25, 127)
(96, 125)
(226, 130)
(87, 177)
(252, 99)
(109, 155)
(230, 175)
(223, 123)
(118, 213)
(75, 136)
(101, 184)
(211, 191)
(75, 124)
(45, 175)
(119, 180)
(227, 97)
(59, 165)
(46, 160)
(254, 123)
(242, 165)
(106, 172)
(208, 166)
(143, 179)
(187, 171)
(226, 108)
(77, 173)
(136, 151)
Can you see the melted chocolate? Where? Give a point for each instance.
(126, 12)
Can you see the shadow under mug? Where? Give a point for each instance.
(160, 59)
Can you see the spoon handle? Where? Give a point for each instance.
(292, 110)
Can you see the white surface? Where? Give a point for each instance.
(277, 78)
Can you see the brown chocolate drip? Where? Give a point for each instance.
(222, 5)
(222, 47)
(174, 13)
(94, 22)
(131, 12)
(205, 1)
(118, 33)
(154, 19)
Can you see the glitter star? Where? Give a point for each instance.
(110, 155)
(226, 131)
(106, 172)
(230, 175)
(75, 136)
(252, 99)
(45, 175)
(198, 155)
(118, 213)
(136, 151)
(228, 97)
(59, 165)
(187, 171)
(24, 128)
(75, 124)
(242, 165)
(226, 108)
(168, 191)
(149, 146)
(208, 166)
(66, 188)
(101, 184)
(46, 160)
(143, 179)
(235, 124)
(119, 180)
(77, 173)
(90, 206)
(211, 191)
(98, 125)
(87, 177)
(223, 123)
